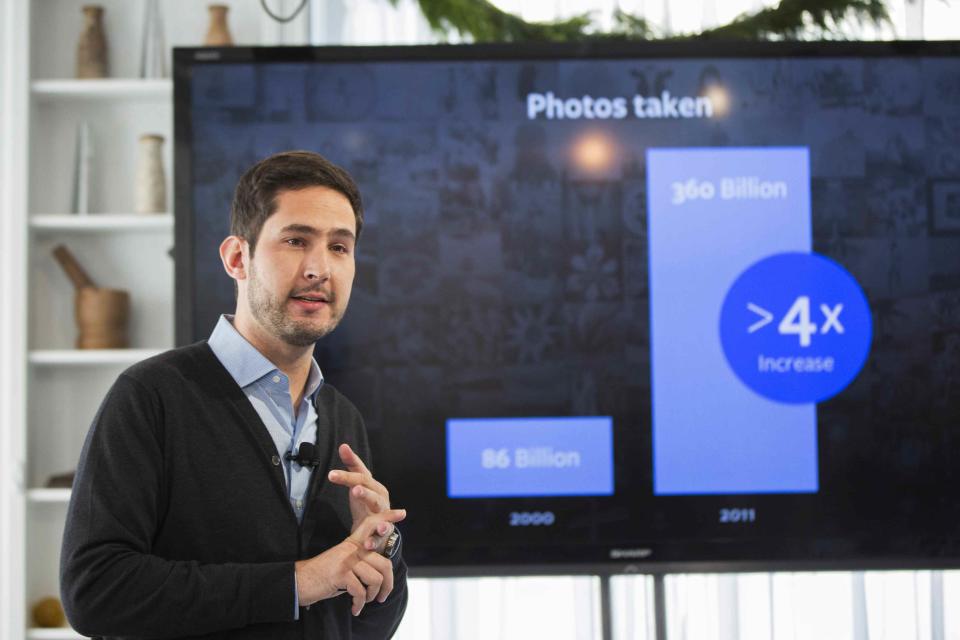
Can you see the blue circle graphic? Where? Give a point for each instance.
(796, 327)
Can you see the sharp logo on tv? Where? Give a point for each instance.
(630, 554)
(550, 107)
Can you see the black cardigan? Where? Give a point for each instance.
(180, 526)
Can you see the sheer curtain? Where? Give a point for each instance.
(905, 605)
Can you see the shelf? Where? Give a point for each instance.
(90, 356)
(112, 88)
(42, 222)
(65, 633)
(48, 495)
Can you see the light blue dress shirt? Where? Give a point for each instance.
(268, 390)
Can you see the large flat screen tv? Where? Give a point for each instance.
(671, 306)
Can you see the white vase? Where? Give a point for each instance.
(150, 190)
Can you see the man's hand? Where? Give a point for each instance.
(350, 567)
(367, 496)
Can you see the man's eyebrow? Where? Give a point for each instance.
(305, 229)
(343, 233)
(300, 228)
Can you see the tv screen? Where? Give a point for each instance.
(677, 305)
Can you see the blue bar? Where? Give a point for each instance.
(529, 457)
(711, 433)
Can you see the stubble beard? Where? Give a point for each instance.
(271, 312)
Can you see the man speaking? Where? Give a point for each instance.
(222, 490)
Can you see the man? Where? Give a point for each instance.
(195, 512)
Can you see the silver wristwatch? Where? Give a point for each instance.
(392, 545)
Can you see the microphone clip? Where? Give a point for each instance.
(307, 456)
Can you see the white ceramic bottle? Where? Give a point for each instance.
(150, 190)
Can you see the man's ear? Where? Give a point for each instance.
(233, 254)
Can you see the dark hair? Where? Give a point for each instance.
(255, 198)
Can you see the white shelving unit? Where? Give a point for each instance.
(100, 222)
(105, 89)
(50, 391)
(52, 634)
(48, 496)
(90, 357)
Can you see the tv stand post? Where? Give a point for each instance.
(659, 607)
(606, 608)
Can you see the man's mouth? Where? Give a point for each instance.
(312, 300)
(314, 296)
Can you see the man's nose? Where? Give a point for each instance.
(317, 268)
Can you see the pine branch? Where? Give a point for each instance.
(791, 18)
(482, 21)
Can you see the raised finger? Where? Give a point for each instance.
(374, 501)
(347, 478)
(352, 460)
(370, 577)
(355, 479)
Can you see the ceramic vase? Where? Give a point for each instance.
(92, 48)
(150, 190)
(218, 33)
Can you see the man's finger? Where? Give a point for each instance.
(383, 530)
(385, 567)
(355, 479)
(374, 501)
(370, 525)
(357, 591)
(370, 577)
(352, 460)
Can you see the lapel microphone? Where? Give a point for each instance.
(308, 456)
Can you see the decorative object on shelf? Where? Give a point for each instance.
(101, 314)
(61, 480)
(83, 157)
(92, 48)
(150, 190)
(48, 613)
(153, 51)
(218, 34)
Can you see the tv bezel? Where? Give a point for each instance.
(186, 289)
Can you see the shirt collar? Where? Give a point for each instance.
(245, 364)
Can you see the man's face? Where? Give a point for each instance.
(301, 273)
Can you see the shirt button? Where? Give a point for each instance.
(275, 460)
(276, 378)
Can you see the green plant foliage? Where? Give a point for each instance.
(482, 21)
(791, 18)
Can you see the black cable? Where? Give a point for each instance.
(263, 3)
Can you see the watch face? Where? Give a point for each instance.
(393, 545)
